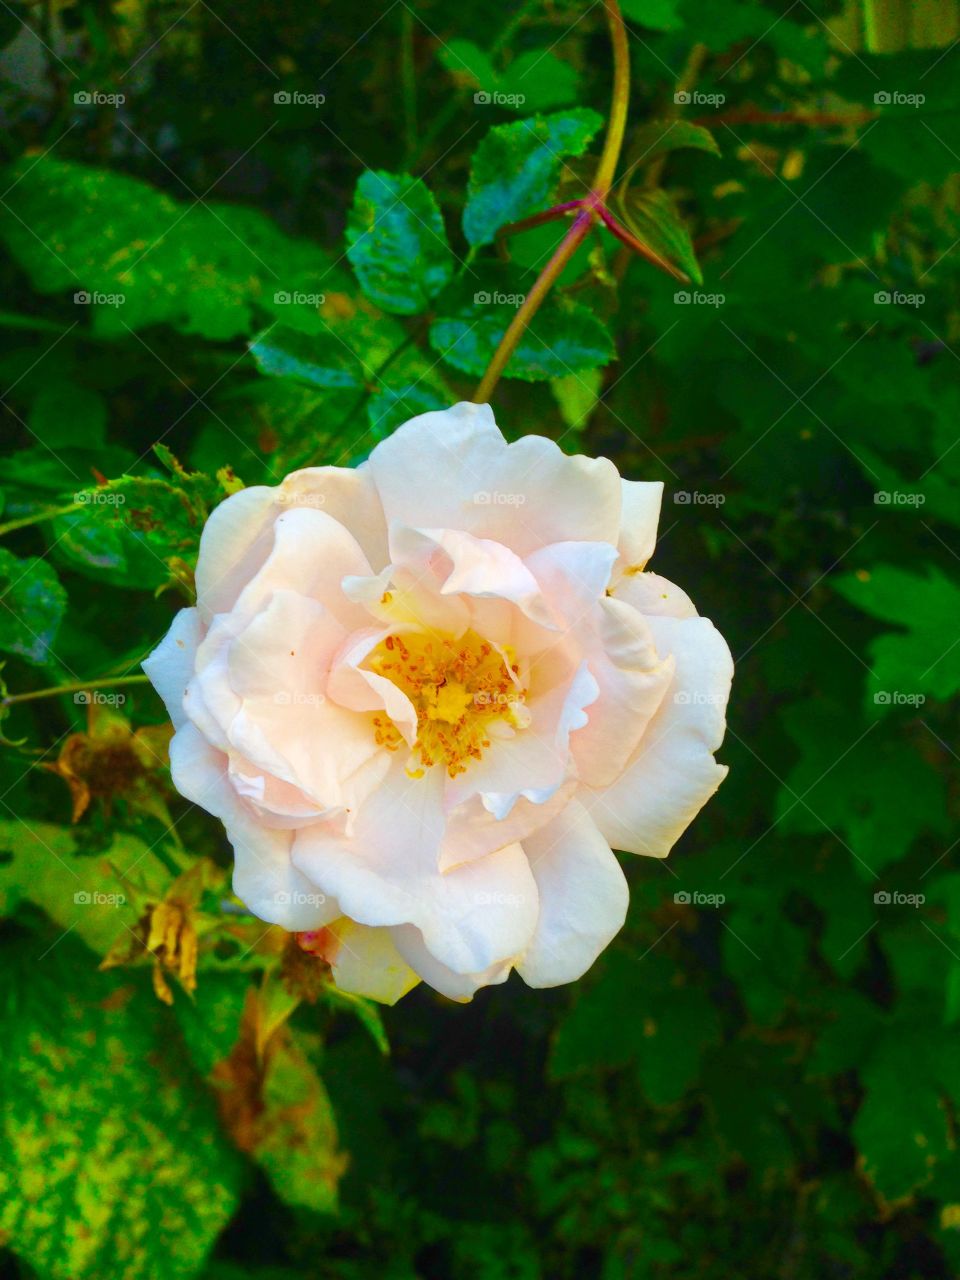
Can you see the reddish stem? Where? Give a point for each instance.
(638, 246)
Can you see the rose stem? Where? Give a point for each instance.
(584, 220)
(76, 686)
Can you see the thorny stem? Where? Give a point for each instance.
(590, 207)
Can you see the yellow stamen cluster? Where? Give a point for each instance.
(458, 689)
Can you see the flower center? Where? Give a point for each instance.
(459, 689)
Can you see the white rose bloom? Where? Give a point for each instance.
(427, 695)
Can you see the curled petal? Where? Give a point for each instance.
(673, 773)
(583, 898)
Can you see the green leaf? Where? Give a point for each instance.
(854, 782)
(90, 897)
(298, 1139)
(317, 360)
(577, 395)
(136, 257)
(396, 242)
(634, 1014)
(464, 58)
(32, 604)
(922, 658)
(537, 80)
(515, 168)
(393, 402)
(564, 337)
(657, 137)
(139, 531)
(658, 15)
(133, 1180)
(903, 1133)
(653, 217)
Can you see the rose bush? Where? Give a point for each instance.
(426, 696)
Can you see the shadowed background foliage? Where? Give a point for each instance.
(263, 235)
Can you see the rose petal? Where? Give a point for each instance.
(673, 772)
(461, 987)
(349, 495)
(366, 962)
(235, 542)
(170, 666)
(649, 593)
(583, 898)
(453, 470)
(264, 878)
(639, 518)
(633, 681)
(385, 873)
